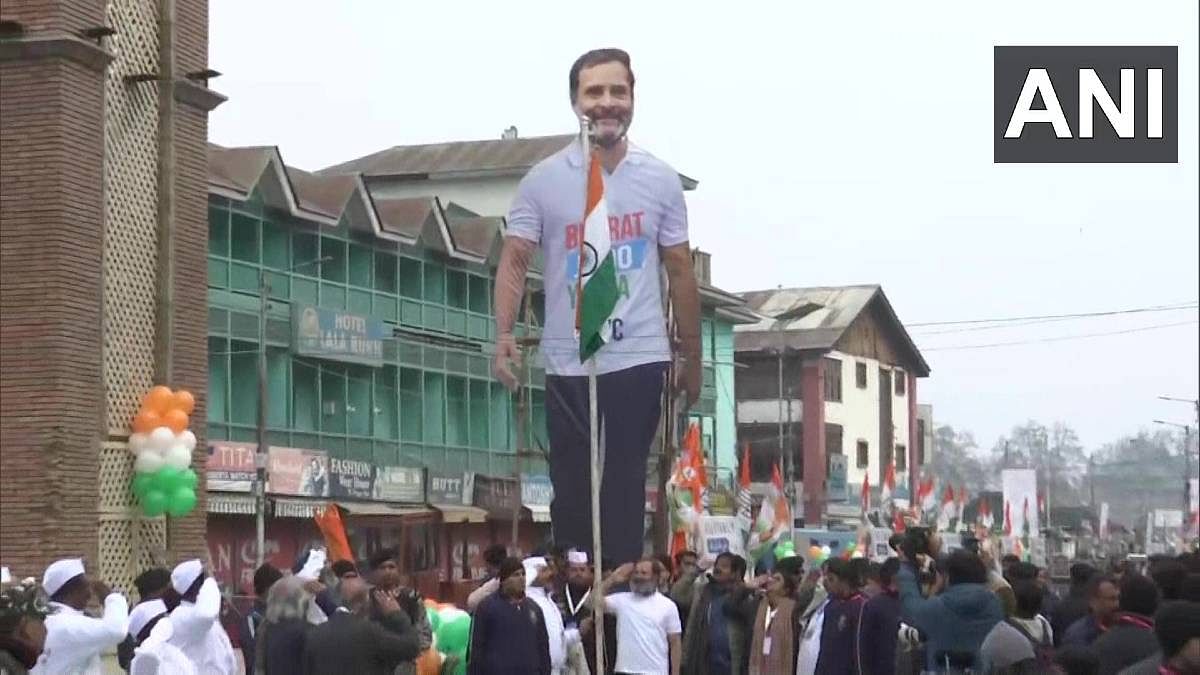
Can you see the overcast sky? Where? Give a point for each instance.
(832, 146)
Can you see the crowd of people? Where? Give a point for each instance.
(923, 610)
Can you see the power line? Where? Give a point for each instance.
(1078, 315)
(1033, 322)
(1060, 338)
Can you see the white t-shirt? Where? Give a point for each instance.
(643, 624)
(810, 642)
(646, 210)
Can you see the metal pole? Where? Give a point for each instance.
(522, 426)
(782, 456)
(260, 453)
(1187, 472)
(597, 552)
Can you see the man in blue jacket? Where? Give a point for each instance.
(957, 620)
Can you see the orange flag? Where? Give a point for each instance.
(329, 522)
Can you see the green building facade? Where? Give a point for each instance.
(421, 273)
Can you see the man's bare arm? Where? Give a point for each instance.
(685, 300)
(676, 652)
(515, 258)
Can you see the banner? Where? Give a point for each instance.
(350, 478)
(399, 484)
(1020, 488)
(337, 336)
(536, 490)
(292, 471)
(447, 488)
(836, 492)
(230, 466)
(1103, 520)
(498, 496)
(718, 534)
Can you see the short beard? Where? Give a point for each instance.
(644, 588)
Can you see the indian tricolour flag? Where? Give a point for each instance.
(597, 286)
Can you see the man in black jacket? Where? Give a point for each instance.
(1131, 637)
(351, 643)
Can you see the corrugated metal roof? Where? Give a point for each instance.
(516, 154)
(824, 314)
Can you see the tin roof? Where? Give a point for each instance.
(510, 156)
(823, 314)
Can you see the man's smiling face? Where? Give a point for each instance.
(605, 97)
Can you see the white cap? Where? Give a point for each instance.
(59, 573)
(577, 557)
(532, 566)
(144, 613)
(185, 574)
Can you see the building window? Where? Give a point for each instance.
(385, 404)
(457, 415)
(479, 413)
(333, 269)
(361, 274)
(411, 413)
(385, 272)
(863, 458)
(901, 382)
(833, 380)
(410, 277)
(245, 238)
(306, 406)
(901, 457)
(456, 289)
(860, 375)
(480, 297)
(920, 442)
(833, 439)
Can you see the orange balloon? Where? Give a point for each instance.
(183, 400)
(158, 399)
(146, 421)
(176, 419)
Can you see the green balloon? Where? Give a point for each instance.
(154, 503)
(181, 502)
(142, 483)
(190, 479)
(435, 619)
(452, 636)
(169, 480)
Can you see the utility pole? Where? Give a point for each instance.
(261, 447)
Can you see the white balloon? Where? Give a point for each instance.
(138, 442)
(178, 457)
(161, 439)
(826, 550)
(148, 462)
(188, 439)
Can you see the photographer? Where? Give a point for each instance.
(955, 621)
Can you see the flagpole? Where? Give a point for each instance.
(593, 423)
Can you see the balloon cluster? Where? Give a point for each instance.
(451, 633)
(786, 548)
(819, 554)
(162, 446)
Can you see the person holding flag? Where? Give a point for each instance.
(774, 520)
(606, 215)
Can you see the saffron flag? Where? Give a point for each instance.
(947, 513)
(686, 489)
(925, 497)
(329, 522)
(1007, 520)
(889, 485)
(897, 522)
(596, 290)
(745, 501)
(774, 517)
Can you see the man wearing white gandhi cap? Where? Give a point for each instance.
(74, 640)
(151, 628)
(196, 631)
(539, 580)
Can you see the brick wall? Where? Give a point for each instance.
(55, 15)
(190, 367)
(50, 369)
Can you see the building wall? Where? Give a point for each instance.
(858, 414)
(51, 420)
(727, 450)
(434, 405)
(78, 179)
